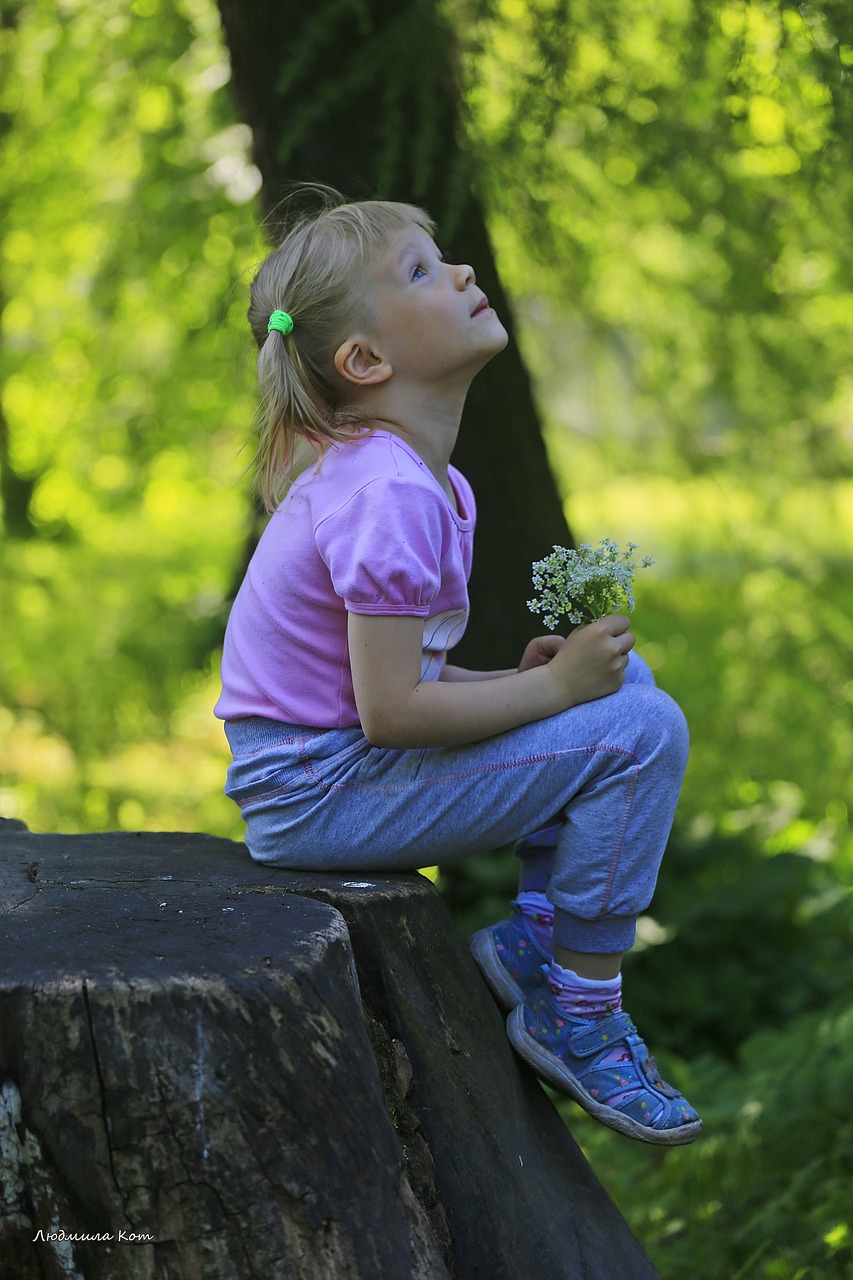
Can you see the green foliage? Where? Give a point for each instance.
(677, 179)
(764, 1192)
(124, 227)
(740, 941)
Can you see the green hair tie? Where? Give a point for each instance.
(281, 321)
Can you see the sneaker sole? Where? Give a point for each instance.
(556, 1073)
(507, 992)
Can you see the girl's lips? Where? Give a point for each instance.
(481, 306)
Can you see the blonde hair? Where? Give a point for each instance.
(314, 275)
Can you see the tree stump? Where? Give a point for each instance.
(210, 1069)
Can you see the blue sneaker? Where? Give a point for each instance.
(597, 1062)
(510, 959)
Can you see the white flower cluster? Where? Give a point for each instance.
(585, 584)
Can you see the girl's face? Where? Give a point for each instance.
(429, 318)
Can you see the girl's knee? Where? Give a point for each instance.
(667, 722)
(646, 721)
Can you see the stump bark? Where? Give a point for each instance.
(223, 1070)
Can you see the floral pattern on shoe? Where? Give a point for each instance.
(510, 959)
(603, 1065)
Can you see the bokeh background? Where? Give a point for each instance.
(668, 193)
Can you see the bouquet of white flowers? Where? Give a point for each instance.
(586, 584)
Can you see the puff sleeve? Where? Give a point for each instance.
(384, 547)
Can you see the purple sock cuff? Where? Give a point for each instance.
(607, 936)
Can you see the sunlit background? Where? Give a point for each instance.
(675, 230)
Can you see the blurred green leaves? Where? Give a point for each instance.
(765, 1192)
(678, 178)
(125, 236)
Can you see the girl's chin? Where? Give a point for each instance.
(501, 338)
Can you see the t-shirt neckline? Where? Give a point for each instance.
(463, 520)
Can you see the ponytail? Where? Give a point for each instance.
(289, 412)
(313, 276)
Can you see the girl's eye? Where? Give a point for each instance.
(418, 272)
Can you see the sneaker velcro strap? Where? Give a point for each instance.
(602, 1033)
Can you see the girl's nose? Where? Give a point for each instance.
(464, 275)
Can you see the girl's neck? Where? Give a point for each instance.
(429, 426)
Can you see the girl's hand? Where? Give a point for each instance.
(591, 662)
(540, 651)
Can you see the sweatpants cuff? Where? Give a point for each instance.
(606, 936)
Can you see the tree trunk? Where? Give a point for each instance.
(190, 1066)
(365, 98)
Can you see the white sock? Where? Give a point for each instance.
(584, 997)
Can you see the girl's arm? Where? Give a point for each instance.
(397, 709)
(458, 674)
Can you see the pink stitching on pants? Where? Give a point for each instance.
(469, 773)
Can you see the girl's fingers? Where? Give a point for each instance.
(617, 623)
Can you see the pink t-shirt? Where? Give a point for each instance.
(368, 530)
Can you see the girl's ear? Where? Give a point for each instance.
(357, 362)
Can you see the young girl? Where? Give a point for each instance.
(356, 745)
